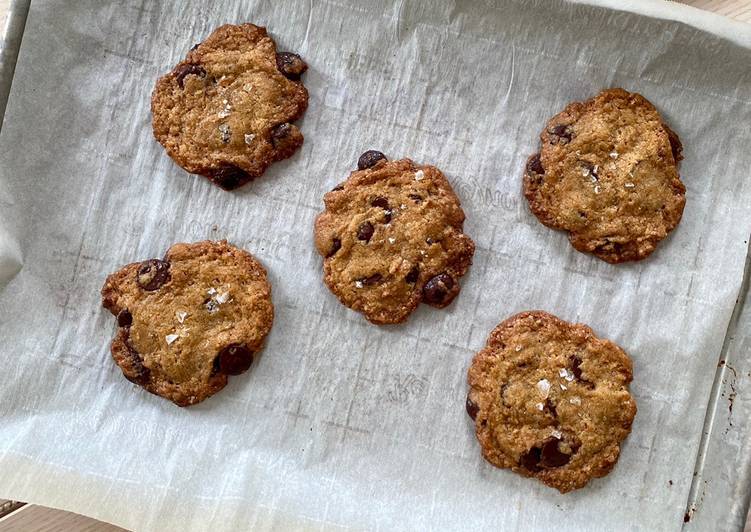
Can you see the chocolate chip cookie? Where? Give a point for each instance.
(391, 237)
(606, 173)
(189, 320)
(550, 400)
(226, 110)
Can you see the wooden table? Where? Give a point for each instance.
(33, 518)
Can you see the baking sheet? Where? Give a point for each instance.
(342, 424)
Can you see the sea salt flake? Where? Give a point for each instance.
(249, 138)
(211, 291)
(544, 386)
(392, 240)
(563, 387)
(222, 297)
(247, 87)
(585, 171)
(613, 154)
(181, 315)
(212, 306)
(556, 434)
(575, 401)
(419, 175)
(629, 185)
(171, 338)
(358, 284)
(597, 189)
(402, 206)
(225, 133)
(566, 374)
(518, 348)
(540, 406)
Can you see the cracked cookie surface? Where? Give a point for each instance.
(226, 110)
(606, 173)
(550, 400)
(391, 237)
(189, 320)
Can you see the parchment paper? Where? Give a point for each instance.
(342, 424)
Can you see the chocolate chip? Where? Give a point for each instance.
(472, 408)
(369, 159)
(140, 373)
(576, 362)
(381, 202)
(437, 289)
(561, 131)
(413, 275)
(336, 245)
(531, 459)
(233, 360)
(125, 318)
(415, 198)
(372, 280)
(152, 274)
(365, 231)
(675, 144)
(551, 455)
(290, 65)
(534, 165)
(229, 177)
(280, 132)
(188, 70)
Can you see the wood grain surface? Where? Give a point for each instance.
(32, 518)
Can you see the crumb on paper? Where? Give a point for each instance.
(170, 338)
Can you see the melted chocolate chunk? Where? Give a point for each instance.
(534, 165)
(365, 231)
(188, 70)
(336, 245)
(280, 132)
(472, 408)
(548, 455)
(229, 177)
(576, 362)
(437, 290)
(141, 374)
(369, 159)
(125, 318)
(152, 274)
(233, 360)
(372, 280)
(413, 275)
(563, 133)
(290, 65)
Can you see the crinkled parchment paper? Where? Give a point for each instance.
(341, 423)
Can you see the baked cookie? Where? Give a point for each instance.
(550, 400)
(188, 321)
(391, 236)
(606, 173)
(225, 111)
